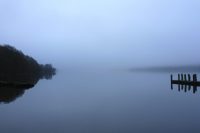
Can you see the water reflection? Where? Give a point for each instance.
(10, 90)
(9, 93)
(185, 83)
(19, 72)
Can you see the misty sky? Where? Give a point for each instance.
(111, 32)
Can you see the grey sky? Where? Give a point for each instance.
(113, 32)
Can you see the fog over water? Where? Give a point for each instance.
(122, 66)
(103, 33)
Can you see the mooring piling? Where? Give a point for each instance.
(189, 78)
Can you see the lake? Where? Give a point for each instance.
(103, 101)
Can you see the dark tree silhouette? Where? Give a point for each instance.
(19, 72)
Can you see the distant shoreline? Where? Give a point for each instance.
(189, 68)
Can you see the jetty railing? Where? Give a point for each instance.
(186, 82)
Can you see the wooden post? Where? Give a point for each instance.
(185, 78)
(181, 77)
(178, 77)
(171, 81)
(194, 78)
(189, 78)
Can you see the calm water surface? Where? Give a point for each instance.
(83, 101)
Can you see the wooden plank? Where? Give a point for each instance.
(185, 83)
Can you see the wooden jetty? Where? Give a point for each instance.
(185, 82)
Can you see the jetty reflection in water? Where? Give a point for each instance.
(185, 83)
